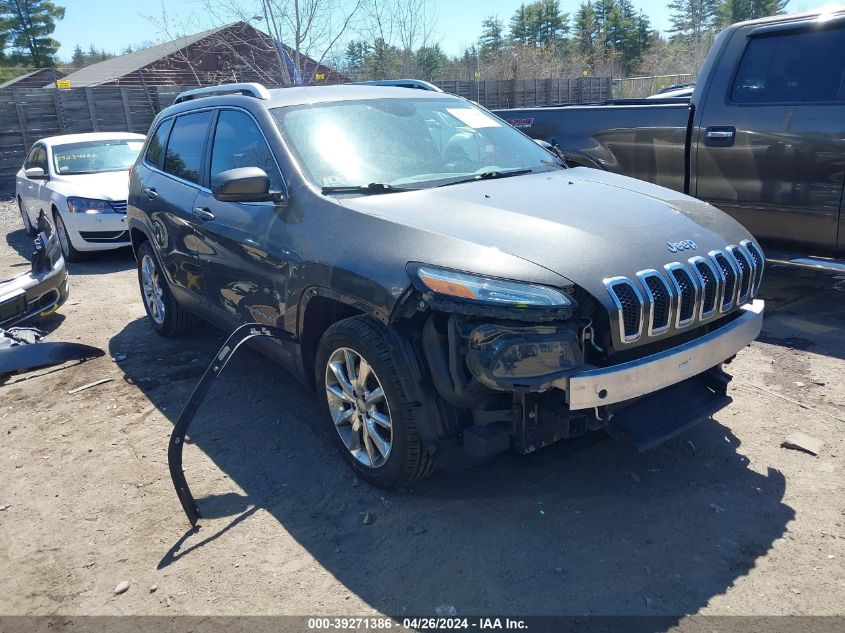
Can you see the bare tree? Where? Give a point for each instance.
(310, 29)
(407, 25)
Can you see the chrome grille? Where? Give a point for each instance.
(685, 293)
(659, 297)
(629, 306)
(118, 205)
(710, 284)
(745, 280)
(759, 261)
(729, 276)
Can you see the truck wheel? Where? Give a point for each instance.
(27, 225)
(361, 392)
(68, 251)
(164, 313)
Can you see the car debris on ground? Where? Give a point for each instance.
(800, 441)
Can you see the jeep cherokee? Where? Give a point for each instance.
(451, 288)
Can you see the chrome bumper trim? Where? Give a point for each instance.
(652, 373)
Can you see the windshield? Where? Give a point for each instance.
(91, 157)
(404, 143)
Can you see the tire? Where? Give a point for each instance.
(27, 224)
(406, 461)
(164, 313)
(68, 251)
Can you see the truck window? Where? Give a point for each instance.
(239, 143)
(184, 149)
(797, 67)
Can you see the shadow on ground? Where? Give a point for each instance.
(99, 263)
(589, 528)
(804, 310)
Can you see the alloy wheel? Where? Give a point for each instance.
(359, 407)
(152, 289)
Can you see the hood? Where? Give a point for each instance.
(583, 224)
(108, 185)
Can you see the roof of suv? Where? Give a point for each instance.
(302, 95)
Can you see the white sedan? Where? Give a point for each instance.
(81, 182)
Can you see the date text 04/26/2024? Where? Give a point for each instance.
(417, 624)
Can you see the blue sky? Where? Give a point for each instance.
(113, 24)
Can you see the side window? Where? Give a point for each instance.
(37, 158)
(185, 146)
(41, 158)
(155, 150)
(239, 143)
(31, 157)
(792, 68)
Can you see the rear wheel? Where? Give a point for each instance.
(68, 251)
(360, 388)
(27, 224)
(164, 313)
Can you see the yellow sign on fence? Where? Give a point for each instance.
(320, 77)
(62, 83)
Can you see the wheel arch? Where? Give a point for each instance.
(137, 236)
(320, 308)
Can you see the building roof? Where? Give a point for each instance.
(31, 77)
(117, 67)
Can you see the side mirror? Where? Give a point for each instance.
(35, 173)
(554, 149)
(244, 184)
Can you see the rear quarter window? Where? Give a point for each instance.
(158, 141)
(798, 67)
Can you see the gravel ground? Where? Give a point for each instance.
(721, 520)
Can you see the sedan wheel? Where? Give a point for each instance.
(68, 251)
(27, 224)
(152, 289)
(359, 408)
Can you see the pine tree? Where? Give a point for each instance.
(585, 28)
(78, 58)
(492, 38)
(694, 20)
(539, 23)
(28, 26)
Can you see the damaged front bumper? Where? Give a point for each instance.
(598, 387)
(40, 290)
(529, 385)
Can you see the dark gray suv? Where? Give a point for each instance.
(451, 289)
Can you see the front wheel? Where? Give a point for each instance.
(68, 251)
(361, 392)
(164, 313)
(27, 224)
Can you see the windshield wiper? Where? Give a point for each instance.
(489, 175)
(373, 187)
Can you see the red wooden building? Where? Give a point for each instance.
(233, 53)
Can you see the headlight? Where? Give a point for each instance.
(87, 205)
(480, 289)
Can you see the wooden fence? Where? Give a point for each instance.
(29, 114)
(524, 93)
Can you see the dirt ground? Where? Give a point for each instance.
(721, 520)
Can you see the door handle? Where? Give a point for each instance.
(203, 213)
(719, 136)
(151, 193)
